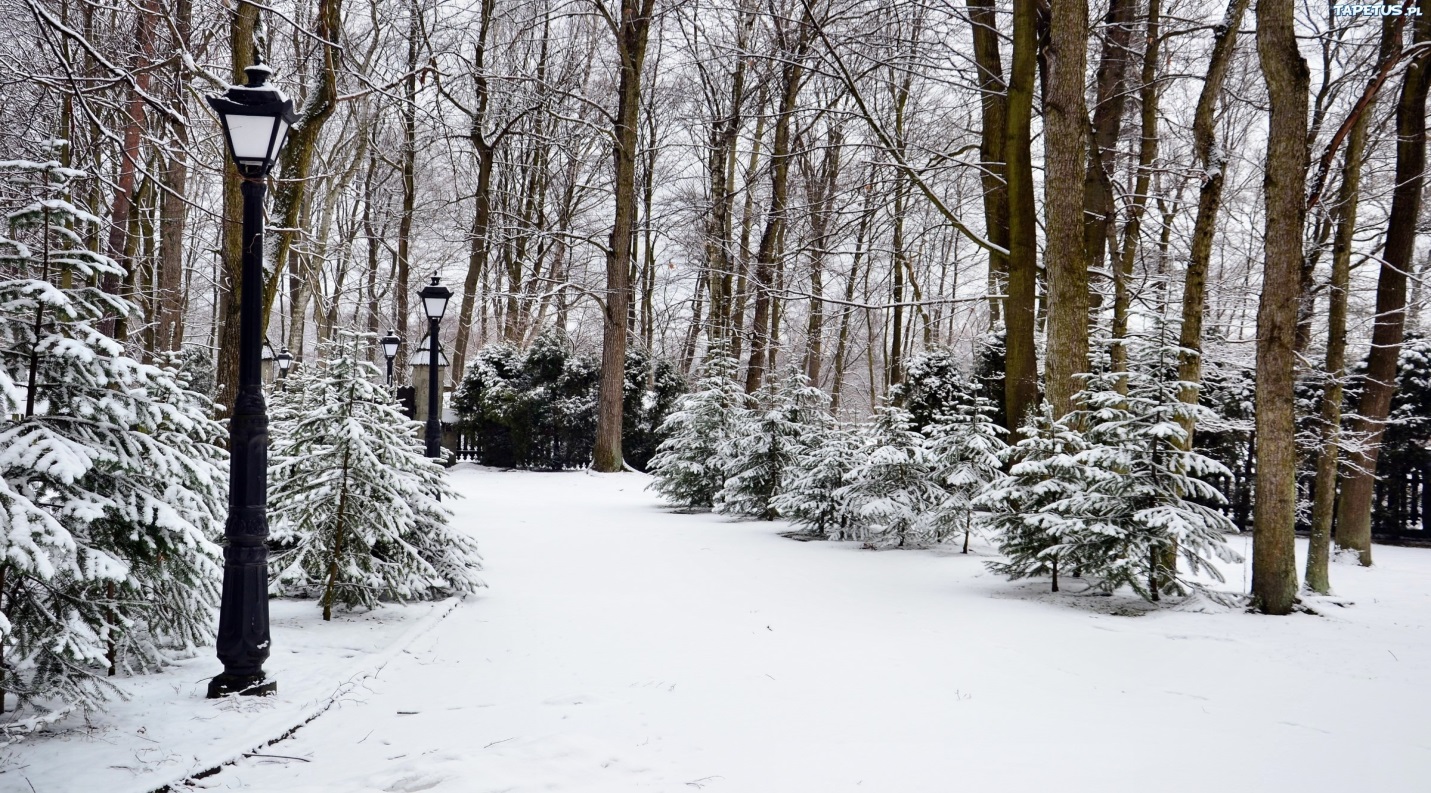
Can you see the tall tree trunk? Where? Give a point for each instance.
(482, 213)
(124, 208)
(631, 30)
(1324, 491)
(1099, 209)
(1021, 383)
(993, 108)
(747, 223)
(408, 115)
(822, 190)
(1274, 574)
(720, 166)
(842, 342)
(1379, 385)
(1324, 488)
(1213, 161)
(1065, 152)
(766, 257)
(1147, 154)
(169, 322)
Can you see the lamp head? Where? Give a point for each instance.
(391, 343)
(434, 299)
(256, 118)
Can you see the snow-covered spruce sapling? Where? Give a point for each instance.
(892, 490)
(1152, 495)
(355, 509)
(1025, 508)
(812, 497)
(784, 424)
(110, 480)
(967, 445)
(688, 470)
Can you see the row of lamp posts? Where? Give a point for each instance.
(256, 118)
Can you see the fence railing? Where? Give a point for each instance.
(1401, 505)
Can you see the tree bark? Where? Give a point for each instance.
(1111, 84)
(993, 108)
(1065, 152)
(1213, 161)
(1379, 385)
(631, 30)
(1021, 383)
(772, 238)
(822, 187)
(173, 207)
(1148, 95)
(1274, 575)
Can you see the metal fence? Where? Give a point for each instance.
(1400, 510)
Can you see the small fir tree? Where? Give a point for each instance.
(688, 469)
(1151, 494)
(813, 495)
(967, 447)
(934, 384)
(356, 508)
(788, 417)
(892, 490)
(111, 484)
(1026, 508)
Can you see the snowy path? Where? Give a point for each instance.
(624, 648)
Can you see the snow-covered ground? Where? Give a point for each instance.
(167, 730)
(622, 647)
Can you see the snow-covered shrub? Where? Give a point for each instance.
(785, 423)
(688, 469)
(537, 408)
(111, 484)
(892, 491)
(652, 386)
(1109, 490)
(1026, 508)
(1152, 495)
(934, 383)
(813, 495)
(967, 445)
(356, 513)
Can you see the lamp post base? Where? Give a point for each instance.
(246, 685)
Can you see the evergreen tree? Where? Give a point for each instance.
(813, 494)
(111, 484)
(1027, 507)
(356, 508)
(989, 367)
(1149, 495)
(785, 424)
(892, 490)
(967, 445)
(934, 384)
(688, 469)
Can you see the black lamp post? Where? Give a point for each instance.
(390, 343)
(285, 360)
(434, 302)
(256, 119)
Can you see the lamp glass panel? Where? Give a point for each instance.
(250, 136)
(390, 348)
(435, 306)
(279, 138)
